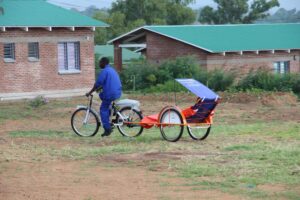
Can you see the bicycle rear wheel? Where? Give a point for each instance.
(85, 124)
(129, 121)
(198, 132)
(171, 127)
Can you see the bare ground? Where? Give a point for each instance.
(34, 175)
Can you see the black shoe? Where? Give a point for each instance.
(106, 133)
(112, 126)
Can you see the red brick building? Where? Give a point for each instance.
(45, 50)
(231, 47)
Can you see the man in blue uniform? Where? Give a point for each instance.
(109, 80)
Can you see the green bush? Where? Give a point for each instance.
(152, 77)
(258, 79)
(180, 67)
(38, 101)
(145, 75)
(219, 80)
(169, 86)
(139, 75)
(296, 86)
(268, 81)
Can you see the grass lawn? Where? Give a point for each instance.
(249, 155)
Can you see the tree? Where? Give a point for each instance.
(178, 14)
(101, 33)
(236, 11)
(126, 15)
(116, 27)
(155, 11)
(117, 24)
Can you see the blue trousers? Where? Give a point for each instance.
(105, 113)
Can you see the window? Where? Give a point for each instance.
(282, 67)
(68, 57)
(9, 52)
(33, 51)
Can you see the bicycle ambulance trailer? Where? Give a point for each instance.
(171, 120)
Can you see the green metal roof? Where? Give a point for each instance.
(108, 51)
(39, 13)
(231, 38)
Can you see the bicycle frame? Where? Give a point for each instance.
(117, 112)
(89, 108)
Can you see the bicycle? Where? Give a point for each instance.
(85, 121)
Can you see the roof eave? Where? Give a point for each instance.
(50, 28)
(145, 28)
(255, 50)
(124, 35)
(55, 26)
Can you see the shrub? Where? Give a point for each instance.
(169, 86)
(268, 81)
(150, 77)
(180, 67)
(296, 84)
(220, 80)
(146, 75)
(139, 75)
(217, 80)
(38, 101)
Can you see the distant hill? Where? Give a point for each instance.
(90, 11)
(282, 16)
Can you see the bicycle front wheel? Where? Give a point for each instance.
(129, 122)
(84, 123)
(171, 127)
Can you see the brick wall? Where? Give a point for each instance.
(242, 64)
(160, 48)
(26, 76)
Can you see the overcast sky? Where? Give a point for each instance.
(82, 4)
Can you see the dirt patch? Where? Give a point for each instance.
(242, 98)
(267, 99)
(272, 188)
(232, 113)
(73, 180)
(156, 156)
(279, 99)
(35, 124)
(90, 180)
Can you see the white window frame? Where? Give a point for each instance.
(12, 54)
(68, 57)
(281, 67)
(33, 51)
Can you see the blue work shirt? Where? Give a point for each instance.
(110, 82)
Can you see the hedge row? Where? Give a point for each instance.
(146, 77)
(143, 76)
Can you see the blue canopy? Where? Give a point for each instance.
(198, 89)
